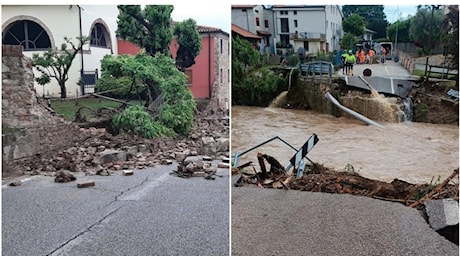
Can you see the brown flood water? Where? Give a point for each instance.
(413, 152)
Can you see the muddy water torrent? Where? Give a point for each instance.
(414, 152)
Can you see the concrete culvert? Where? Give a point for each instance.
(367, 72)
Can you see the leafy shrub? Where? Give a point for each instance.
(136, 120)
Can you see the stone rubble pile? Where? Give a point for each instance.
(100, 153)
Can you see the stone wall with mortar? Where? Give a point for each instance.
(220, 90)
(28, 128)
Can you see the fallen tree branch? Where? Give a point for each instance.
(433, 192)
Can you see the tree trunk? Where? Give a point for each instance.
(63, 90)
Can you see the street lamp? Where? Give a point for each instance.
(433, 7)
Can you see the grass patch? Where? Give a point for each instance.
(435, 75)
(68, 108)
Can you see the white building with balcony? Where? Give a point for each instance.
(315, 28)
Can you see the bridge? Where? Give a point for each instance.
(387, 78)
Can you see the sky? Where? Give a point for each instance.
(218, 15)
(392, 11)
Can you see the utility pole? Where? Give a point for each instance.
(396, 36)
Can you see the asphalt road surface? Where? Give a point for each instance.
(290, 223)
(148, 213)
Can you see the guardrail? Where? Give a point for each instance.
(317, 67)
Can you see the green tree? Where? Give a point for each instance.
(149, 28)
(172, 103)
(349, 41)
(57, 63)
(374, 17)
(452, 36)
(252, 84)
(402, 28)
(189, 41)
(426, 28)
(354, 24)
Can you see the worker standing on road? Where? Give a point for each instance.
(350, 59)
(383, 55)
(371, 56)
(342, 57)
(362, 55)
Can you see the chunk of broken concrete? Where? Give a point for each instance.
(442, 213)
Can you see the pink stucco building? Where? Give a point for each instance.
(209, 77)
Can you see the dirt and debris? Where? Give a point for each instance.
(318, 178)
(433, 105)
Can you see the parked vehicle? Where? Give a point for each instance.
(388, 46)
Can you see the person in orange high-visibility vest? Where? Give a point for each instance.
(371, 56)
(361, 56)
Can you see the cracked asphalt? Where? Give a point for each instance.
(148, 213)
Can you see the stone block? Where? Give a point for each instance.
(110, 155)
(86, 184)
(198, 174)
(128, 172)
(223, 165)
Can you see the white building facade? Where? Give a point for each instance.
(315, 28)
(38, 28)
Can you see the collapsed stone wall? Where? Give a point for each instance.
(28, 128)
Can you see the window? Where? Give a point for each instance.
(295, 12)
(284, 38)
(305, 45)
(221, 46)
(188, 74)
(284, 12)
(295, 23)
(27, 33)
(221, 76)
(266, 23)
(99, 35)
(284, 25)
(257, 21)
